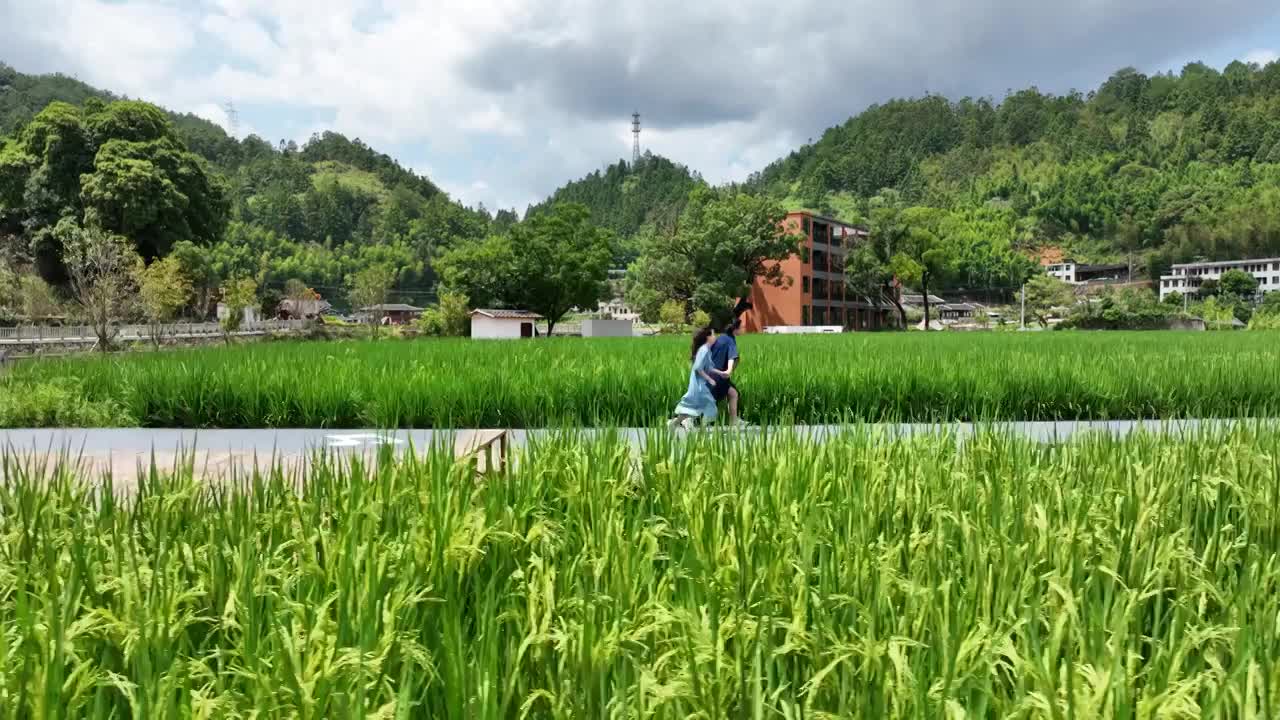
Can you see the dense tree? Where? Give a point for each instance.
(724, 241)
(450, 317)
(370, 289)
(482, 270)
(918, 255)
(1044, 293)
(237, 295)
(1238, 283)
(37, 300)
(319, 212)
(561, 262)
(1149, 169)
(163, 291)
(554, 262)
(624, 197)
(118, 167)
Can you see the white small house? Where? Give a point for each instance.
(503, 324)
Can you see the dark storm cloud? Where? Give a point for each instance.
(683, 75)
(812, 63)
(598, 82)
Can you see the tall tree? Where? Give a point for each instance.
(103, 269)
(164, 290)
(197, 266)
(552, 263)
(238, 294)
(482, 271)
(561, 262)
(723, 242)
(1238, 283)
(118, 166)
(1043, 294)
(920, 258)
(370, 289)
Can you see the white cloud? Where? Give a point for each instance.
(507, 99)
(1262, 57)
(131, 47)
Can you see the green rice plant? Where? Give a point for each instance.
(637, 381)
(719, 576)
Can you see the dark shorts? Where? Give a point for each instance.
(720, 390)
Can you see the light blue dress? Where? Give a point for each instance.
(698, 401)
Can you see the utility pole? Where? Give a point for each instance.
(1023, 322)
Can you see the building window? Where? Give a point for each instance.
(805, 226)
(820, 289)
(804, 284)
(805, 313)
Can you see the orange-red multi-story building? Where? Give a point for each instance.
(814, 291)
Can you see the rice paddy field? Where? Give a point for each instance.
(717, 576)
(636, 382)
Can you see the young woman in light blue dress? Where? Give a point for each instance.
(698, 403)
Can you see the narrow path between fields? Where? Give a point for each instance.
(127, 452)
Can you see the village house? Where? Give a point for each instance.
(503, 324)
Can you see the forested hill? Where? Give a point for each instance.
(1169, 166)
(625, 196)
(320, 212)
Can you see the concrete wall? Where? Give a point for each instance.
(487, 328)
(607, 328)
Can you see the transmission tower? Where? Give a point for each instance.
(233, 118)
(635, 133)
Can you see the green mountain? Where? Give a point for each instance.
(319, 212)
(1168, 166)
(626, 196)
(1154, 169)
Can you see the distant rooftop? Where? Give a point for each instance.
(823, 218)
(507, 314)
(391, 307)
(1224, 263)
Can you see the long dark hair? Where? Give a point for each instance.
(699, 339)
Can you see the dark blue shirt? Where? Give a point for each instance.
(724, 349)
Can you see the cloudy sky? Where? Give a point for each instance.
(501, 101)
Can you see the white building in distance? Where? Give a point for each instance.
(503, 324)
(1073, 273)
(1188, 277)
